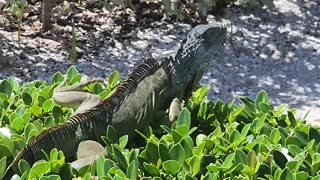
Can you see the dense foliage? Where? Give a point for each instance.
(210, 140)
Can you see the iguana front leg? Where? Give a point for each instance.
(73, 96)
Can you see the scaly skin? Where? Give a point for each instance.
(146, 92)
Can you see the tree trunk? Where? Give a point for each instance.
(46, 14)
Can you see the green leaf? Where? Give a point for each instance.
(123, 141)
(97, 88)
(39, 169)
(303, 138)
(275, 136)
(183, 130)
(112, 135)
(7, 147)
(163, 152)
(24, 166)
(184, 118)
(292, 119)
(48, 105)
(121, 160)
(3, 165)
(235, 113)
(228, 162)
(152, 155)
(27, 99)
(113, 79)
(56, 78)
(286, 174)
(171, 166)
(151, 169)
(72, 72)
(5, 88)
(240, 157)
(75, 79)
(263, 97)
(201, 92)
(176, 135)
(294, 150)
(249, 105)
(302, 176)
(177, 153)
(194, 165)
(279, 159)
(132, 170)
(14, 85)
(18, 124)
(57, 114)
(314, 134)
(252, 159)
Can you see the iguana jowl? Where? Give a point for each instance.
(147, 90)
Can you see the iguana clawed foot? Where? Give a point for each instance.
(88, 152)
(73, 96)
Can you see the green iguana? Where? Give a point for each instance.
(147, 90)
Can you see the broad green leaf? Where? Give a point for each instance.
(240, 157)
(171, 166)
(275, 136)
(152, 169)
(48, 105)
(279, 159)
(194, 165)
(113, 79)
(176, 135)
(292, 119)
(263, 97)
(18, 124)
(27, 99)
(252, 159)
(177, 153)
(228, 162)
(57, 114)
(5, 88)
(152, 155)
(14, 84)
(123, 141)
(132, 170)
(183, 130)
(3, 165)
(163, 152)
(72, 72)
(286, 174)
(39, 169)
(235, 113)
(201, 92)
(56, 78)
(24, 166)
(75, 79)
(302, 176)
(187, 145)
(184, 118)
(294, 150)
(97, 88)
(112, 135)
(303, 138)
(121, 160)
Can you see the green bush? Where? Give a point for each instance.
(209, 140)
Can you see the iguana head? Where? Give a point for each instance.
(197, 50)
